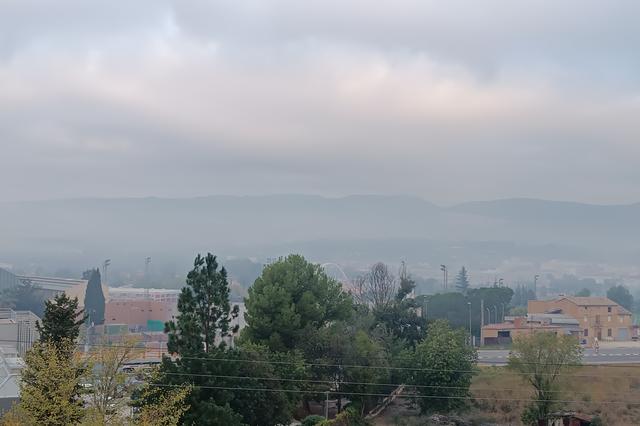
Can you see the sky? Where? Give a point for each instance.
(449, 101)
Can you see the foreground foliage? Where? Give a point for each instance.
(444, 363)
(541, 358)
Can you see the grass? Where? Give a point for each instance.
(588, 389)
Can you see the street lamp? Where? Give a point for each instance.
(445, 279)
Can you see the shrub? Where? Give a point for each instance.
(312, 420)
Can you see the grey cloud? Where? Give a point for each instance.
(449, 101)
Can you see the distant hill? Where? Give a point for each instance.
(355, 226)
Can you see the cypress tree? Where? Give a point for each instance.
(94, 298)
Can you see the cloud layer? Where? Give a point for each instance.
(448, 100)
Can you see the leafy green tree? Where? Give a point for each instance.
(50, 385)
(541, 358)
(445, 364)
(620, 294)
(61, 321)
(350, 354)
(585, 292)
(168, 408)
(290, 302)
(94, 297)
(462, 280)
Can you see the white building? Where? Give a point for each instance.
(18, 330)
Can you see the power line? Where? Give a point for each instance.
(377, 367)
(340, 382)
(403, 396)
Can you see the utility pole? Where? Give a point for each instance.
(445, 277)
(105, 266)
(326, 406)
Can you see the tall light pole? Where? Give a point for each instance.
(105, 266)
(488, 315)
(445, 278)
(535, 285)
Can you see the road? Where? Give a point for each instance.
(606, 356)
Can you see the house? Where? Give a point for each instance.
(598, 316)
(503, 333)
(570, 418)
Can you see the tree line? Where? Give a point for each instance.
(307, 340)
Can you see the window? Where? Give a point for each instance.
(586, 319)
(586, 332)
(609, 318)
(609, 309)
(608, 332)
(620, 319)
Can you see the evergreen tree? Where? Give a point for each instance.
(290, 302)
(94, 297)
(61, 321)
(204, 360)
(462, 280)
(205, 311)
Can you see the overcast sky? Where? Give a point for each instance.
(448, 100)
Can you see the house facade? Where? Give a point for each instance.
(598, 316)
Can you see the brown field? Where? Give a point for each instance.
(611, 392)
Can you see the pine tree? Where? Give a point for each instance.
(94, 297)
(205, 311)
(462, 280)
(61, 321)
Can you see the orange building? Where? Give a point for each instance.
(598, 316)
(138, 313)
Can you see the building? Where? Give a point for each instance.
(156, 294)
(52, 286)
(139, 314)
(503, 333)
(598, 316)
(8, 280)
(10, 366)
(18, 330)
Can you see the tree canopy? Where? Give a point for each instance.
(61, 321)
(205, 312)
(444, 365)
(620, 294)
(290, 302)
(541, 358)
(462, 280)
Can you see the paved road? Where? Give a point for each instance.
(606, 356)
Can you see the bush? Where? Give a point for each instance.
(312, 420)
